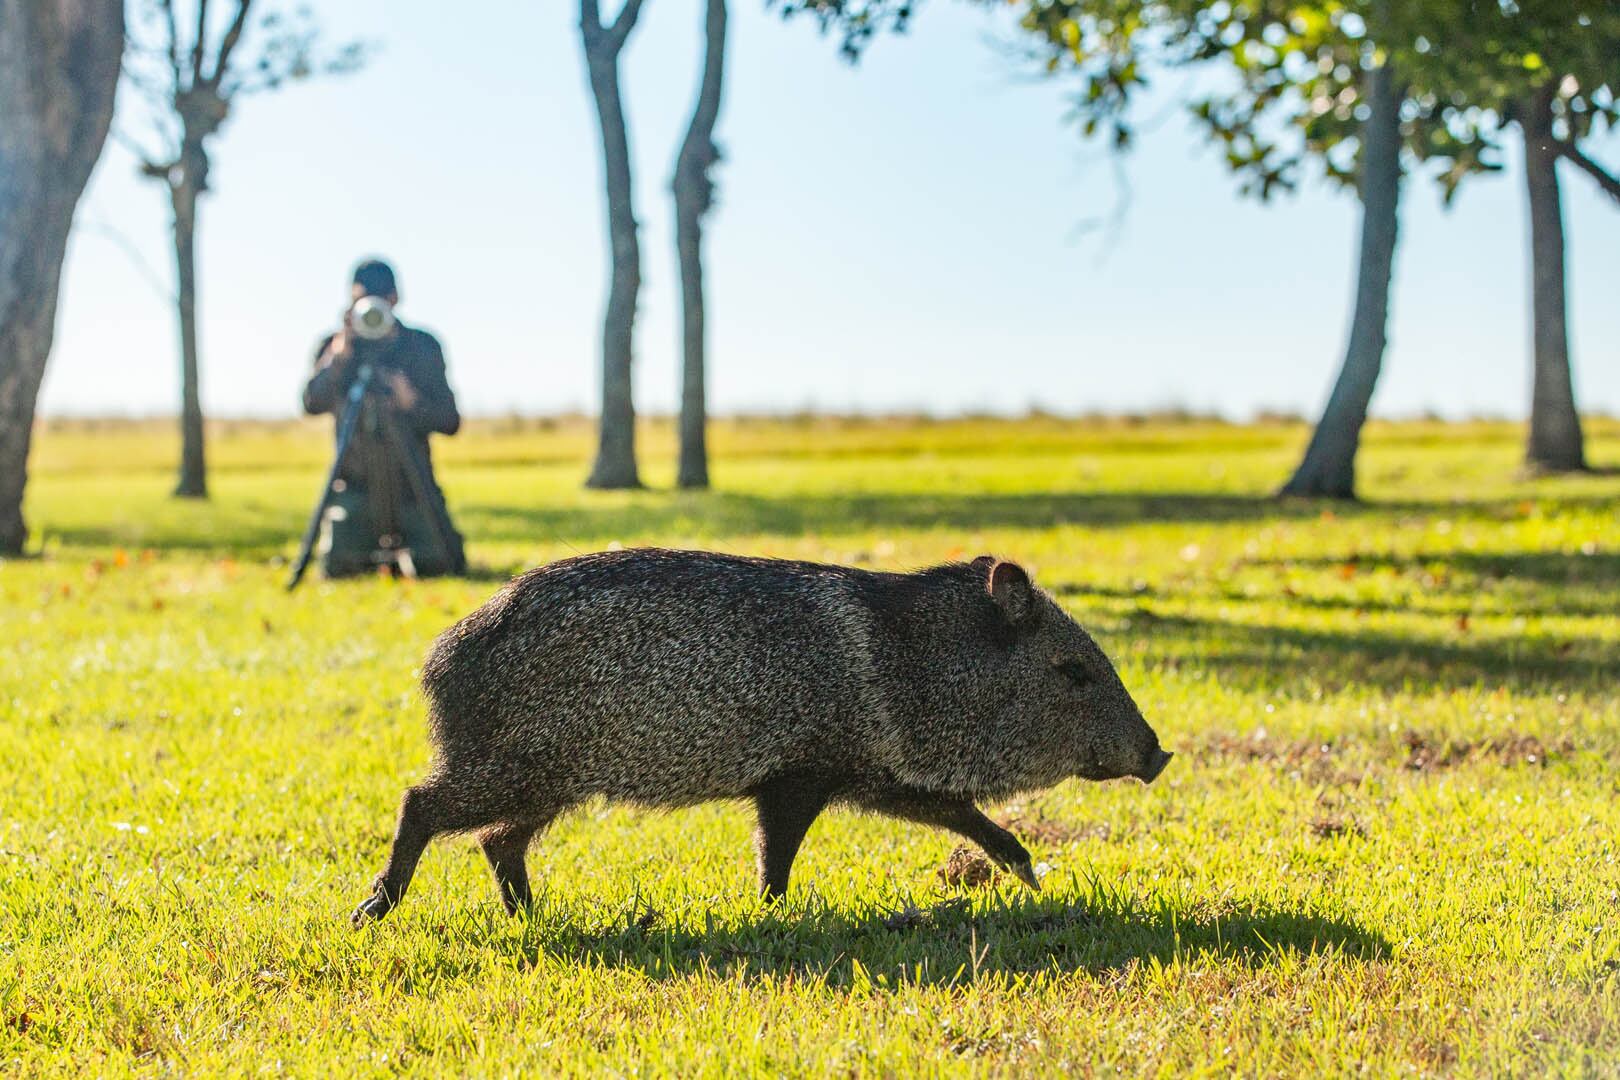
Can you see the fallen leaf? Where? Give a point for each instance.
(966, 869)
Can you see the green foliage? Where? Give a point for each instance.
(1478, 63)
(1098, 41)
(1388, 843)
(855, 22)
(1291, 94)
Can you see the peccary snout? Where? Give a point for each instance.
(1155, 765)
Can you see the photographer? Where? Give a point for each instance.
(385, 499)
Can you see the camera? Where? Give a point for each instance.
(372, 318)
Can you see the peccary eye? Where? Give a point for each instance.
(1074, 670)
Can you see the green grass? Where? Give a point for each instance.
(1388, 843)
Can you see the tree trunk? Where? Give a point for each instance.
(59, 62)
(193, 481)
(615, 465)
(1329, 465)
(694, 195)
(1556, 444)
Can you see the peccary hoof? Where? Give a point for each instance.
(1026, 873)
(371, 909)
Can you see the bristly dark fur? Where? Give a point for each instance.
(668, 678)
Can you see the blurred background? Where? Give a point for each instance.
(922, 231)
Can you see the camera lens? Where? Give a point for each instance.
(373, 318)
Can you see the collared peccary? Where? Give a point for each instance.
(669, 678)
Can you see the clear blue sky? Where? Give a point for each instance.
(907, 233)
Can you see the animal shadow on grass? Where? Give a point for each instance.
(955, 939)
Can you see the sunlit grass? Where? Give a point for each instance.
(1389, 842)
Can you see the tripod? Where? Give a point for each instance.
(427, 497)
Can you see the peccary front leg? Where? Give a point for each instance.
(963, 818)
(786, 806)
(505, 846)
(428, 809)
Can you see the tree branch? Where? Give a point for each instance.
(173, 42)
(198, 44)
(626, 22)
(590, 17)
(149, 162)
(228, 44)
(142, 267)
(1605, 179)
(149, 84)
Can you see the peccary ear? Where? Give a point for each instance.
(1010, 588)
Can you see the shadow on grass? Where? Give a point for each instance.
(1297, 661)
(260, 530)
(665, 517)
(957, 939)
(659, 517)
(1601, 568)
(1537, 583)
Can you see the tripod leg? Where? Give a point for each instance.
(426, 493)
(347, 421)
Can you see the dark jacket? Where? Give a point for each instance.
(418, 356)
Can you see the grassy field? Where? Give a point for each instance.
(1389, 843)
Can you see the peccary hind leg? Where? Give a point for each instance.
(963, 818)
(505, 846)
(787, 806)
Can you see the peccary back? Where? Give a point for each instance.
(659, 676)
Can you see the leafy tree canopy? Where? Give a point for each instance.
(1298, 97)
(855, 22)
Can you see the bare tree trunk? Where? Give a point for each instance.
(193, 481)
(1329, 466)
(694, 195)
(59, 62)
(1556, 443)
(615, 465)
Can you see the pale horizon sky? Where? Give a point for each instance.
(912, 233)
